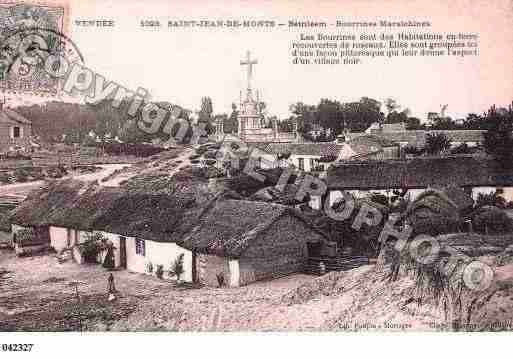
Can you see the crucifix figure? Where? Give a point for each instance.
(249, 70)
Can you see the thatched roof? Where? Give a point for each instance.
(308, 148)
(77, 205)
(229, 227)
(39, 206)
(421, 172)
(8, 115)
(220, 225)
(286, 196)
(418, 137)
(450, 201)
(370, 143)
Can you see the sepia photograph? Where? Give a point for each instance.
(340, 167)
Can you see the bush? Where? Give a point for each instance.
(135, 149)
(160, 271)
(177, 267)
(492, 221)
(149, 268)
(220, 279)
(92, 247)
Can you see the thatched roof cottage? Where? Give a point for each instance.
(242, 241)
(474, 175)
(246, 241)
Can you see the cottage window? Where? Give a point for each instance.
(16, 132)
(140, 247)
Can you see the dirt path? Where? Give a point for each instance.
(44, 298)
(22, 189)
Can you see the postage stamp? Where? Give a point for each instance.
(29, 34)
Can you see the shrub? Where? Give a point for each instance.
(177, 267)
(220, 279)
(92, 247)
(135, 149)
(492, 221)
(160, 271)
(436, 143)
(149, 267)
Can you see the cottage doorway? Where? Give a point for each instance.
(194, 267)
(122, 252)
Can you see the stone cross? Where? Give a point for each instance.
(249, 71)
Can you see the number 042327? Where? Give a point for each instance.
(16, 347)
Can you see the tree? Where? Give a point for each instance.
(436, 143)
(205, 114)
(231, 124)
(413, 123)
(358, 116)
(391, 105)
(398, 117)
(473, 122)
(443, 123)
(498, 139)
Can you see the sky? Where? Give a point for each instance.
(181, 65)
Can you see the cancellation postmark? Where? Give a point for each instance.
(29, 35)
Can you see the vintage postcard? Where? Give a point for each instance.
(246, 166)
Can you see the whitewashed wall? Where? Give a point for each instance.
(335, 195)
(294, 159)
(59, 238)
(157, 253)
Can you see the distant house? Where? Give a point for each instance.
(474, 175)
(306, 156)
(241, 240)
(368, 147)
(417, 138)
(15, 130)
